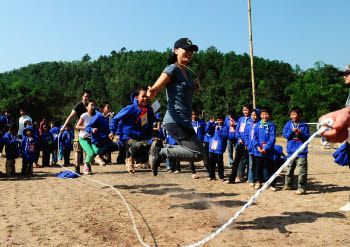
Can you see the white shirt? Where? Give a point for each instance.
(21, 123)
(87, 119)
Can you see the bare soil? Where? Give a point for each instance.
(172, 209)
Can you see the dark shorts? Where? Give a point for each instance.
(138, 149)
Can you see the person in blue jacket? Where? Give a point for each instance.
(231, 122)
(46, 142)
(11, 143)
(264, 141)
(101, 137)
(67, 144)
(37, 135)
(248, 140)
(137, 127)
(241, 157)
(55, 131)
(171, 164)
(199, 127)
(209, 133)
(296, 132)
(28, 146)
(217, 147)
(5, 123)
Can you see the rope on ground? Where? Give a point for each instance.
(121, 196)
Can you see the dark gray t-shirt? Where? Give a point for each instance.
(179, 96)
(80, 108)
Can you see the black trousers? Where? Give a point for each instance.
(27, 168)
(66, 154)
(240, 154)
(46, 159)
(213, 160)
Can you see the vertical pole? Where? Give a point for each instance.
(251, 53)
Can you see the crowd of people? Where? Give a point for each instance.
(136, 127)
(142, 139)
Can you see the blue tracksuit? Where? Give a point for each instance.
(295, 140)
(232, 130)
(199, 127)
(209, 131)
(4, 120)
(11, 145)
(170, 140)
(29, 146)
(67, 140)
(46, 141)
(248, 137)
(218, 143)
(132, 118)
(240, 127)
(265, 138)
(102, 124)
(55, 131)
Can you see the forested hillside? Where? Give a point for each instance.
(51, 89)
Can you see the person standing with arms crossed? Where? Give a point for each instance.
(77, 111)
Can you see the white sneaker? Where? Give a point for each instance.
(87, 171)
(345, 208)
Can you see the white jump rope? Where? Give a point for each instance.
(322, 127)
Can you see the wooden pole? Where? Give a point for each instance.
(251, 53)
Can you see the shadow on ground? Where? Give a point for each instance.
(286, 219)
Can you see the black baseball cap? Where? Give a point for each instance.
(346, 71)
(185, 43)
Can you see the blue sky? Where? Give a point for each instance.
(294, 31)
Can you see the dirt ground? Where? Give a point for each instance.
(172, 209)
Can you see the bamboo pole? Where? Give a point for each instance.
(251, 53)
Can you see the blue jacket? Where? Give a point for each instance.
(29, 146)
(131, 122)
(170, 140)
(46, 141)
(67, 140)
(55, 131)
(232, 131)
(11, 145)
(294, 141)
(240, 127)
(219, 140)
(200, 125)
(4, 120)
(102, 124)
(265, 138)
(278, 154)
(248, 137)
(209, 131)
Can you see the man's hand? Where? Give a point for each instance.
(62, 129)
(339, 131)
(94, 130)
